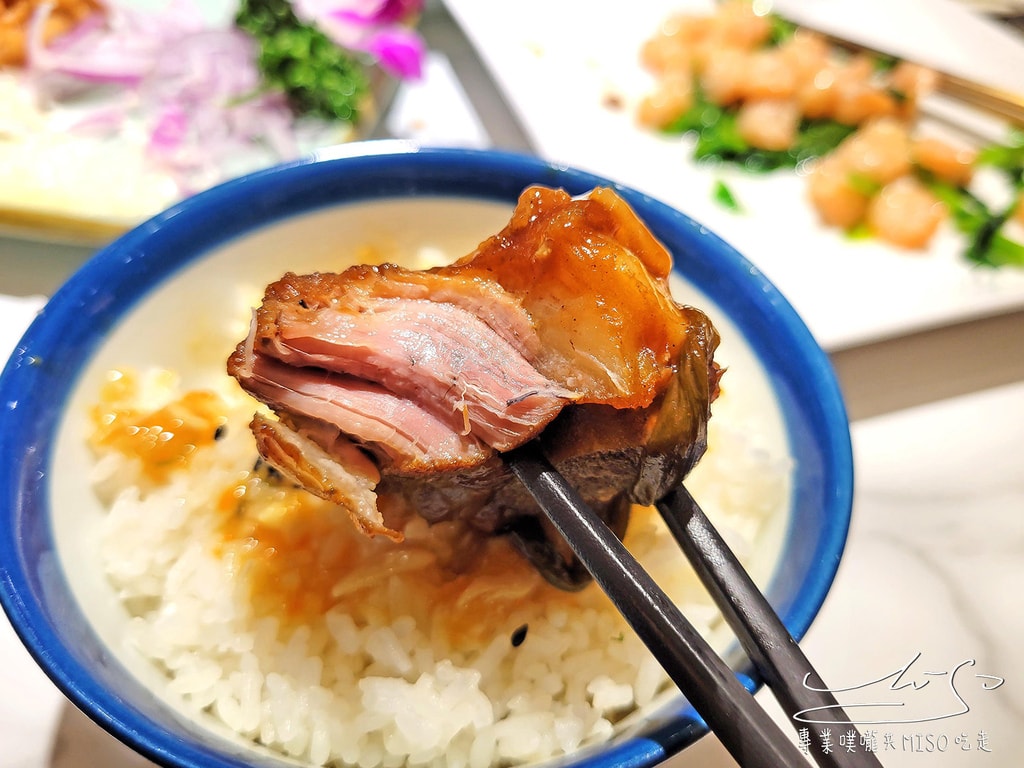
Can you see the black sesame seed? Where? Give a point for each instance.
(268, 471)
(519, 636)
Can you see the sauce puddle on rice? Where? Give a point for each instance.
(301, 557)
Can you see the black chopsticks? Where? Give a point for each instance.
(786, 670)
(744, 729)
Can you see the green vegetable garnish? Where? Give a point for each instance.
(819, 137)
(863, 184)
(987, 245)
(320, 79)
(899, 96)
(882, 62)
(724, 196)
(860, 231)
(782, 30)
(718, 138)
(1008, 158)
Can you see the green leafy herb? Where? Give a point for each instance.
(860, 231)
(718, 138)
(781, 30)
(701, 115)
(724, 197)
(987, 244)
(882, 62)
(863, 184)
(819, 137)
(1008, 158)
(319, 78)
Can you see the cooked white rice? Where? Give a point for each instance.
(390, 684)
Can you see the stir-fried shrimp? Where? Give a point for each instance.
(769, 76)
(859, 99)
(777, 91)
(816, 95)
(670, 100)
(665, 53)
(16, 16)
(870, 179)
(807, 53)
(949, 163)
(878, 152)
(737, 24)
(730, 54)
(769, 123)
(725, 76)
(835, 195)
(905, 213)
(913, 82)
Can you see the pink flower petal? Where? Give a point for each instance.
(398, 51)
(396, 11)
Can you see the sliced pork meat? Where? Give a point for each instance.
(439, 353)
(396, 391)
(396, 429)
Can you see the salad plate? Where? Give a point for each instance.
(575, 80)
(121, 118)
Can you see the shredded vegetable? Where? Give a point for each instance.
(195, 91)
(204, 95)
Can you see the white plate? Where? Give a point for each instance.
(561, 64)
(60, 184)
(48, 188)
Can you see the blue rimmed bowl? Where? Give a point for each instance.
(146, 299)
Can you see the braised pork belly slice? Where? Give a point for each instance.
(437, 353)
(560, 328)
(397, 431)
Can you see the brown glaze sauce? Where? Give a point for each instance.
(163, 439)
(299, 557)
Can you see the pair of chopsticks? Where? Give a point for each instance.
(1003, 104)
(752, 738)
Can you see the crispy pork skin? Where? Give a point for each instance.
(396, 391)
